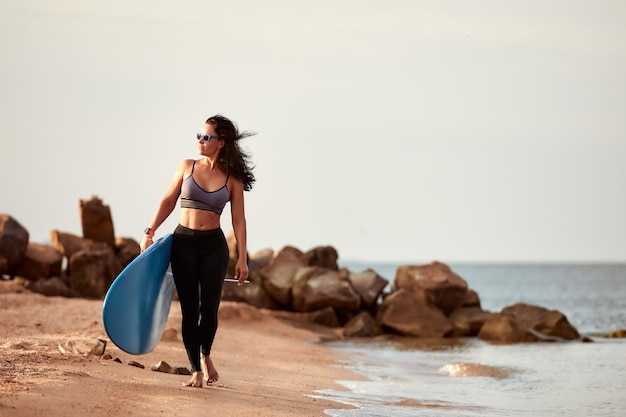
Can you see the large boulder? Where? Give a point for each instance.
(471, 299)
(68, 244)
(441, 286)
(97, 221)
(40, 261)
(326, 317)
(126, 250)
(277, 277)
(410, 314)
(362, 325)
(505, 329)
(13, 243)
(550, 323)
(257, 261)
(468, 321)
(92, 272)
(369, 285)
(54, 286)
(527, 323)
(317, 287)
(251, 293)
(324, 256)
(4, 266)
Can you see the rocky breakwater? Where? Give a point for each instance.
(429, 301)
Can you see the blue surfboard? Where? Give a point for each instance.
(138, 302)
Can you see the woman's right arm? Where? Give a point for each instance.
(167, 204)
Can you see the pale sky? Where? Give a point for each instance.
(391, 130)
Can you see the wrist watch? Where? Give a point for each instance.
(149, 231)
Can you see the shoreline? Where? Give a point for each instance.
(267, 367)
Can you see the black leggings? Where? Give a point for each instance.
(199, 262)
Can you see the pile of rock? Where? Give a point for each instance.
(427, 300)
(423, 301)
(71, 266)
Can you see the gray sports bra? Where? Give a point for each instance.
(194, 197)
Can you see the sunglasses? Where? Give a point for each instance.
(205, 138)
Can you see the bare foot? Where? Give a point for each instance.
(209, 370)
(195, 381)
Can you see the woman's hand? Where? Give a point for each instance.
(145, 243)
(241, 271)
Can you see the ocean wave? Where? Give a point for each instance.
(464, 369)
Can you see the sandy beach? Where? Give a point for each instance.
(267, 366)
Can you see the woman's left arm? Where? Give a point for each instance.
(239, 227)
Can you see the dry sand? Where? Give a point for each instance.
(267, 367)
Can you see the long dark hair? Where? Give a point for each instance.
(233, 160)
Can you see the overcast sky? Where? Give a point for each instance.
(391, 130)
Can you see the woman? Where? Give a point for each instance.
(200, 255)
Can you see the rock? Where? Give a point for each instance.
(13, 242)
(471, 299)
(126, 250)
(325, 317)
(324, 256)
(233, 292)
(92, 272)
(369, 285)
(181, 370)
(106, 357)
(317, 287)
(166, 368)
(136, 364)
(4, 266)
(468, 321)
(550, 323)
(40, 261)
(505, 329)
(252, 293)
(69, 244)
(409, 314)
(83, 347)
(362, 325)
(262, 257)
(617, 334)
(442, 287)
(96, 221)
(52, 287)
(277, 277)
(258, 261)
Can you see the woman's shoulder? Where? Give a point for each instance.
(185, 166)
(234, 184)
(186, 163)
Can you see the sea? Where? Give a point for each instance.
(470, 377)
